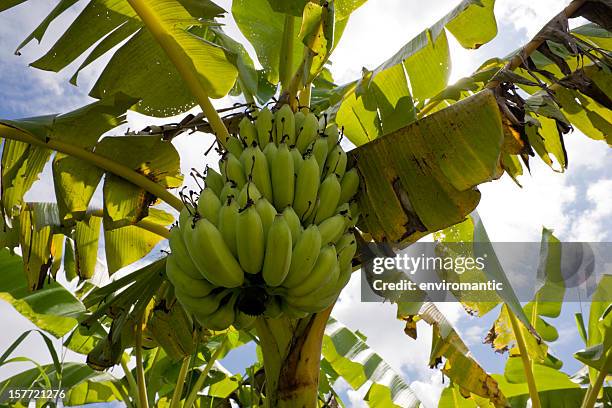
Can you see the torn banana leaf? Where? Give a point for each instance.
(75, 181)
(350, 357)
(36, 245)
(458, 364)
(422, 177)
(86, 238)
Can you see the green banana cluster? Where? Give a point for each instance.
(271, 232)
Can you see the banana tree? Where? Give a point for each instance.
(419, 154)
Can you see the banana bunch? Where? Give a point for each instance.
(271, 232)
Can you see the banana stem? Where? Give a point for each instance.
(535, 43)
(180, 382)
(154, 228)
(140, 375)
(193, 394)
(130, 378)
(286, 52)
(304, 98)
(8, 132)
(592, 393)
(292, 355)
(144, 224)
(273, 354)
(124, 395)
(527, 367)
(183, 65)
(293, 85)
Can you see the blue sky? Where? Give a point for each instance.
(577, 204)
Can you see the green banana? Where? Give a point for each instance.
(323, 271)
(228, 215)
(267, 212)
(307, 133)
(185, 216)
(249, 192)
(293, 221)
(336, 162)
(181, 256)
(306, 187)
(346, 247)
(181, 281)
(229, 190)
(345, 277)
(222, 318)
(284, 126)
(250, 240)
(304, 256)
(349, 185)
(283, 179)
(298, 160)
(270, 151)
(277, 259)
(212, 256)
(329, 196)
(214, 180)
(255, 165)
(292, 312)
(344, 209)
(234, 146)
(331, 131)
(247, 131)
(311, 304)
(308, 218)
(263, 124)
(350, 211)
(319, 151)
(202, 305)
(344, 241)
(332, 229)
(209, 205)
(321, 297)
(232, 170)
(298, 118)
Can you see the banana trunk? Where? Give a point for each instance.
(292, 355)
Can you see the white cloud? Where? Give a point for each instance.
(592, 225)
(585, 153)
(514, 214)
(528, 15)
(429, 392)
(32, 91)
(372, 319)
(378, 29)
(473, 334)
(356, 399)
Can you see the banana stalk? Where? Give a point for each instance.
(292, 354)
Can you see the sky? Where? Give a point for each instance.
(577, 205)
